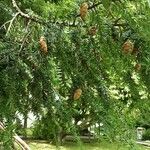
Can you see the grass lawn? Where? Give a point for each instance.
(42, 145)
(105, 145)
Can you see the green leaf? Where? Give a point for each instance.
(106, 3)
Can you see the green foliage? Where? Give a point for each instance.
(114, 92)
(146, 135)
(6, 137)
(43, 131)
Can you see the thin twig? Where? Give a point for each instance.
(18, 10)
(35, 19)
(25, 37)
(95, 5)
(23, 41)
(11, 22)
(120, 24)
(38, 20)
(4, 25)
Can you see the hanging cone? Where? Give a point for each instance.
(83, 10)
(43, 45)
(77, 94)
(137, 67)
(127, 47)
(92, 31)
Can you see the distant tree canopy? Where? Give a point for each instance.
(75, 61)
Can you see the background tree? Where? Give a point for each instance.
(49, 50)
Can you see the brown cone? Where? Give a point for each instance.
(83, 10)
(77, 94)
(127, 47)
(43, 44)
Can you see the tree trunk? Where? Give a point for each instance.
(25, 124)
